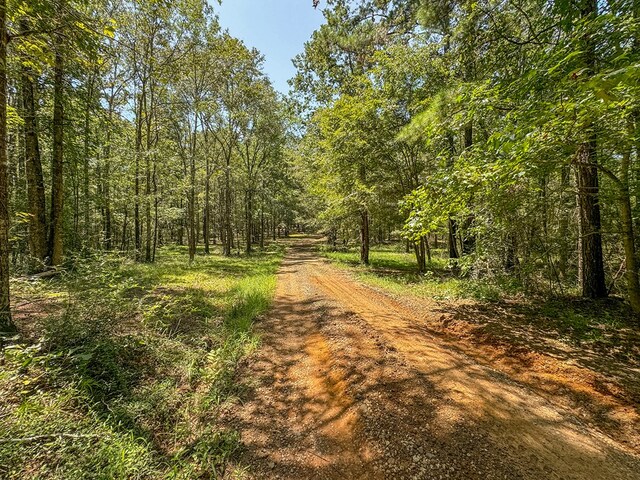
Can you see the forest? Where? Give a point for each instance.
(156, 188)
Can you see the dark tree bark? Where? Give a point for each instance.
(228, 230)
(106, 189)
(191, 208)
(207, 206)
(33, 173)
(249, 220)
(592, 272)
(364, 236)
(586, 162)
(563, 226)
(469, 238)
(147, 210)
(85, 161)
(57, 179)
(261, 229)
(156, 202)
(138, 152)
(452, 224)
(6, 324)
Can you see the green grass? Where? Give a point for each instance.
(394, 270)
(137, 361)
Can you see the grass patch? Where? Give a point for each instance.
(125, 367)
(395, 270)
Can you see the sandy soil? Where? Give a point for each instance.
(352, 384)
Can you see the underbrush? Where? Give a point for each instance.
(123, 369)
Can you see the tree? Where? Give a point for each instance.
(6, 324)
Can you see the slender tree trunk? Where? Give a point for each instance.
(136, 193)
(452, 224)
(261, 229)
(631, 261)
(123, 243)
(181, 226)
(85, 163)
(427, 248)
(364, 236)
(147, 210)
(626, 219)
(156, 201)
(107, 194)
(469, 238)
(592, 278)
(563, 226)
(149, 158)
(33, 172)
(57, 179)
(6, 324)
(207, 206)
(273, 222)
(192, 195)
(228, 244)
(249, 220)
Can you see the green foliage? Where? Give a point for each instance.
(469, 121)
(136, 360)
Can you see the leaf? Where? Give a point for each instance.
(604, 95)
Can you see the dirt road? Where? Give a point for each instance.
(348, 384)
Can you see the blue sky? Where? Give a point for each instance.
(278, 28)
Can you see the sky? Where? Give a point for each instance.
(278, 28)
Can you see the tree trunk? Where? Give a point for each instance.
(452, 239)
(207, 206)
(427, 248)
(452, 224)
(123, 243)
(418, 247)
(107, 202)
(592, 271)
(149, 115)
(192, 198)
(261, 229)
(249, 220)
(33, 172)
(364, 236)
(136, 193)
(147, 210)
(6, 324)
(469, 239)
(228, 244)
(86, 230)
(631, 262)
(273, 223)
(563, 226)
(592, 275)
(626, 219)
(57, 179)
(156, 202)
